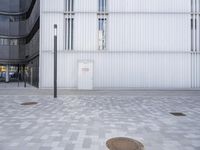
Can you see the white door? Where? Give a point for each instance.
(85, 75)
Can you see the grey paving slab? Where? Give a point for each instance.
(86, 122)
(13, 89)
(15, 85)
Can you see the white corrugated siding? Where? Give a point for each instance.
(143, 32)
(149, 5)
(85, 32)
(124, 70)
(148, 44)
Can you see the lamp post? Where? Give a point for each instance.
(24, 74)
(55, 60)
(18, 74)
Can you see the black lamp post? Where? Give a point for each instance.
(55, 60)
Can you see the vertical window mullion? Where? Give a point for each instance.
(199, 25)
(68, 34)
(72, 28)
(196, 25)
(104, 38)
(99, 6)
(191, 25)
(104, 6)
(72, 7)
(102, 23)
(68, 5)
(104, 34)
(101, 30)
(99, 34)
(69, 24)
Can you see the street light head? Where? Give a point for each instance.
(55, 29)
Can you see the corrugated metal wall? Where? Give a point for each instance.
(149, 43)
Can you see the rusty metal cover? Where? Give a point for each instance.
(122, 143)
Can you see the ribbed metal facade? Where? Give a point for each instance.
(149, 43)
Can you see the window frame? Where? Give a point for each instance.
(69, 5)
(104, 31)
(102, 8)
(69, 32)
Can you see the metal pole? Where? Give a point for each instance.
(24, 75)
(55, 61)
(18, 74)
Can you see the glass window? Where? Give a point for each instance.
(5, 41)
(102, 33)
(1, 41)
(12, 18)
(69, 33)
(14, 42)
(102, 5)
(69, 5)
(4, 18)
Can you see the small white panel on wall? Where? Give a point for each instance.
(85, 75)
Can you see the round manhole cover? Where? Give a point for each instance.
(121, 143)
(29, 103)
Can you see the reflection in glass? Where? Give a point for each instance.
(102, 33)
(102, 5)
(11, 42)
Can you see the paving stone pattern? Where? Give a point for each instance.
(15, 85)
(87, 122)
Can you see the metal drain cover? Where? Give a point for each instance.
(179, 114)
(122, 143)
(29, 103)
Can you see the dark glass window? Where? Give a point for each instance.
(14, 42)
(102, 5)
(11, 42)
(69, 5)
(69, 33)
(102, 33)
(4, 18)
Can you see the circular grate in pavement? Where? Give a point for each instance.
(29, 103)
(121, 143)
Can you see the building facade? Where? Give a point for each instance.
(19, 40)
(121, 44)
(104, 44)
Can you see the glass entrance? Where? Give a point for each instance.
(11, 73)
(2, 73)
